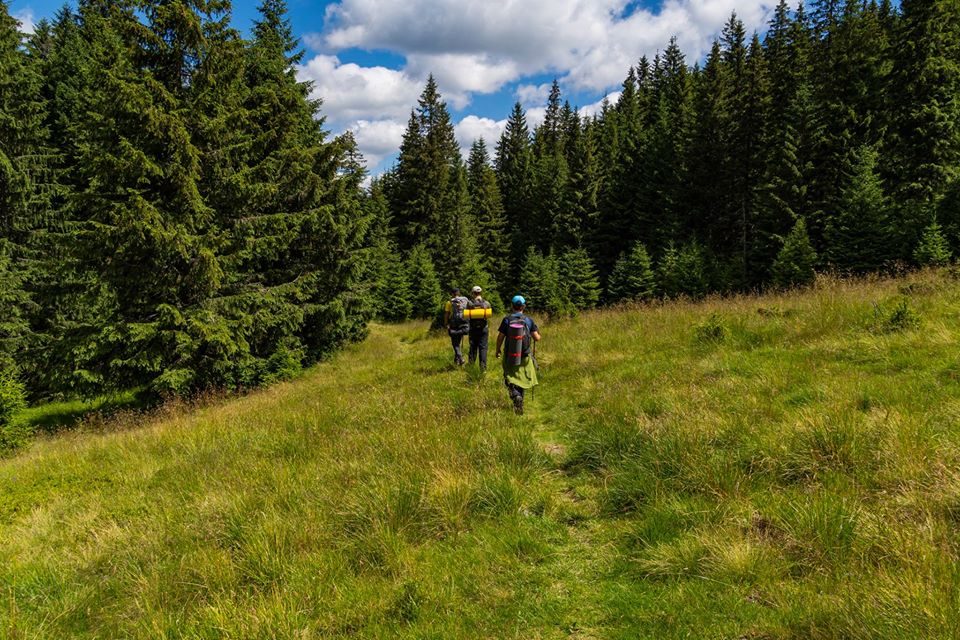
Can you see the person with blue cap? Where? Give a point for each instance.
(520, 333)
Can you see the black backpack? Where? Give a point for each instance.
(478, 323)
(524, 337)
(457, 322)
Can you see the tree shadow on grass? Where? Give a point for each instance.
(59, 416)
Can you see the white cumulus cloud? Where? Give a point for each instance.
(530, 94)
(473, 128)
(458, 75)
(590, 110)
(377, 139)
(26, 19)
(480, 46)
(351, 92)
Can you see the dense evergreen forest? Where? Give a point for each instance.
(831, 143)
(174, 216)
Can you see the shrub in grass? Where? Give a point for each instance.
(378, 550)
(667, 518)
(683, 272)
(919, 288)
(894, 317)
(775, 312)
(517, 451)
(406, 602)
(711, 331)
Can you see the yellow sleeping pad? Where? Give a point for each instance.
(477, 314)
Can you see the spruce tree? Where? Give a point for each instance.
(548, 138)
(425, 293)
(794, 264)
(380, 251)
(550, 223)
(140, 222)
(626, 217)
(579, 276)
(933, 250)
(300, 232)
(427, 196)
(662, 212)
(926, 146)
(784, 197)
(633, 277)
(514, 167)
(855, 233)
(541, 284)
(682, 272)
(487, 211)
(583, 181)
(551, 215)
(459, 261)
(24, 195)
(396, 294)
(948, 213)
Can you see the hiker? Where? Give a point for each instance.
(455, 323)
(479, 329)
(519, 364)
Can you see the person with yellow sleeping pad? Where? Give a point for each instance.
(477, 312)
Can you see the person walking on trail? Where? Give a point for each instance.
(520, 333)
(455, 323)
(479, 330)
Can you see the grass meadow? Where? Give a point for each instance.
(784, 466)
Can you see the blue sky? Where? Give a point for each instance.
(369, 59)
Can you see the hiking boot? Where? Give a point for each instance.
(518, 405)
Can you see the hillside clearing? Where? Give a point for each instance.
(776, 467)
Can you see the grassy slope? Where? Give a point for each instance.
(784, 470)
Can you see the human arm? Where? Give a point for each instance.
(534, 329)
(500, 338)
(447, 308)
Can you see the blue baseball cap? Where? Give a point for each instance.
(519, 300)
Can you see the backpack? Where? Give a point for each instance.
(477, 322)
(524, 338)
(457, 322)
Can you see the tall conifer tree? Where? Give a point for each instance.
(514, 167)
(487, 212)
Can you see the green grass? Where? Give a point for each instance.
(56, 417)
(776, 467)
